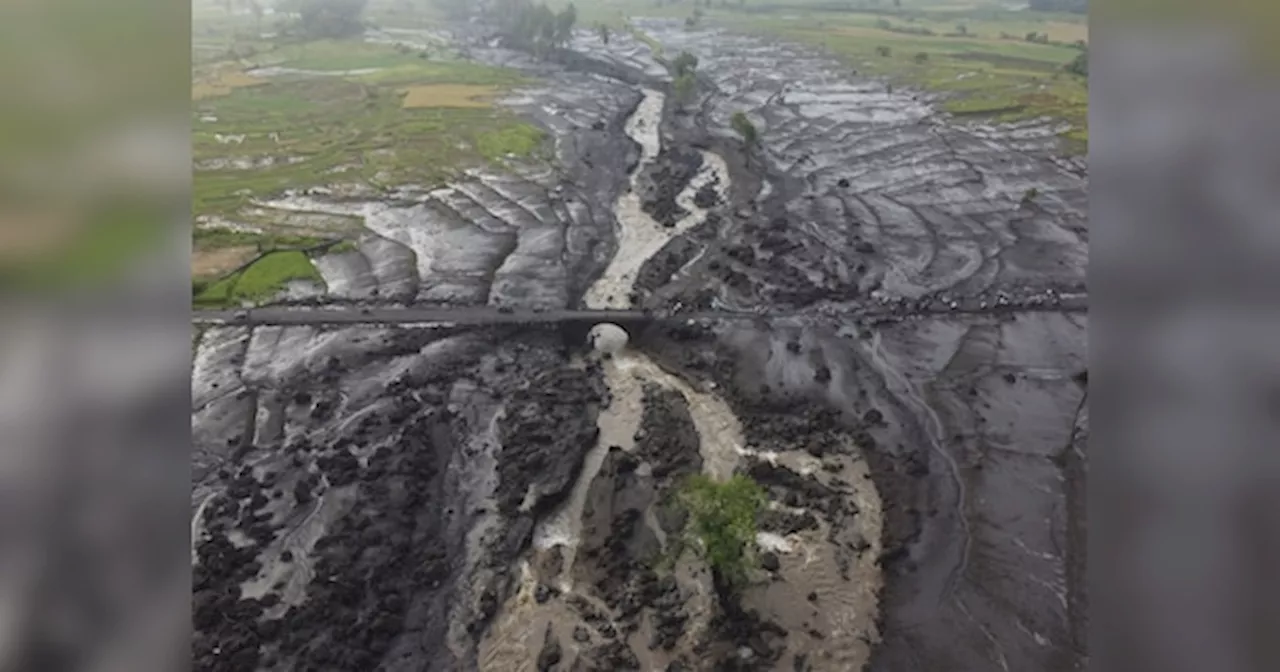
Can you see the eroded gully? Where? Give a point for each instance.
(518, 631)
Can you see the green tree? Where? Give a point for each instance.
(684, 86)
(684, 63)
(256, 8)
(1079, 65)
(546, 28)
(564, 25)
(685, 81)
(331, 18)
(745, 128)
(722, 523)
(535, 27)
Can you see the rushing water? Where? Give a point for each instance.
(625, 374)
(809, 564)
(639, 236)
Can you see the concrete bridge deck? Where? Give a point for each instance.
(481, 315)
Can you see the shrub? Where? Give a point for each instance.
(684, 86)
(685, 63)
(1079, 65)
(722, 523)
(745, 128)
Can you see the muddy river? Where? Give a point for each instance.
(497, 498)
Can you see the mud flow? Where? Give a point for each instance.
(864, 313)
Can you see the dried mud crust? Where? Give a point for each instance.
(346, 546)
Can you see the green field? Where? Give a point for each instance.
(258, 282)
(299, 130)
(327, 112)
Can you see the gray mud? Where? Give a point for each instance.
(976, 451)
(493, 498)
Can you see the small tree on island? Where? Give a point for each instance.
(685, 63)
(722, 525)
(684, 86)
(684, 73)
(745, 128)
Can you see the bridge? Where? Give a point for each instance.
(570, 320)
(584, 319)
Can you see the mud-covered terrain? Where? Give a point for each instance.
(500, 498)
(869, 195)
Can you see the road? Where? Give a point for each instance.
(479, 315)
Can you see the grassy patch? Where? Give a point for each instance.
(517, 139)
(258, 282)
(448, 95)
(443, 72)
(1077, 140)
(218, 261)
(221, 82)
(215, 238)
(341, 55)
(343, 247)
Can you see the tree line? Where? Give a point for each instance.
(535, 27)
(1075, 6)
